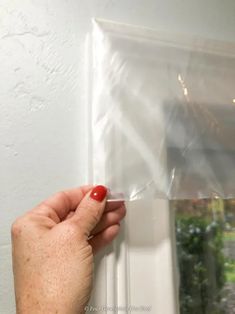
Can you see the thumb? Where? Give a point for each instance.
(90, 209)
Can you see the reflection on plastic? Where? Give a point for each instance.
(163, 114)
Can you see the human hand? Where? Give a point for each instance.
(53, 247)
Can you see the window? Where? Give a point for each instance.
(205, 239)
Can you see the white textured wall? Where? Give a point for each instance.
(42, 92)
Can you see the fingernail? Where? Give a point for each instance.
(98, 193)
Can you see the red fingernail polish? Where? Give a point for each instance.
(98, 193)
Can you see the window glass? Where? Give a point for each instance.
(205, 241)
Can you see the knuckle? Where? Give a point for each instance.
(92, 211)
(62, 195)
(48, 211)
(17, 227)
(86, 251)
(21, 224)
(94, 216)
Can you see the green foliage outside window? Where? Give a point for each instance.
(201, 264)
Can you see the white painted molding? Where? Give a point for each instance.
(138, 269)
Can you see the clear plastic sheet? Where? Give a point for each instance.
(163, 114)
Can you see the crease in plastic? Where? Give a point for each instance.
(162, 114)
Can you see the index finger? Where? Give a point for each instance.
(110, 206)
(65, 201)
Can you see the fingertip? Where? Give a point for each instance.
(90, 209)
(112, 231)
(99, 193)
(110, 206)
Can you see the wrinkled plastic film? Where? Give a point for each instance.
(163, 114)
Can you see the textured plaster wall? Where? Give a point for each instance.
(42, 92)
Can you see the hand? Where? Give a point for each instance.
(53, 247)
